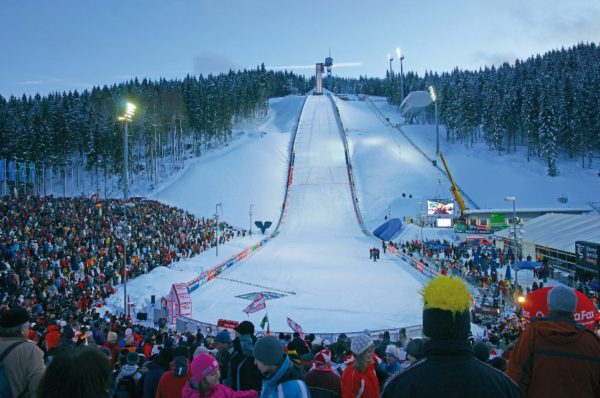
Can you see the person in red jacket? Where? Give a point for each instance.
(172, 382)
(555, 356)
(51, 340)
(359, 378)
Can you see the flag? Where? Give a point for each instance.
(264, 321)
(268, 333)
(295, 327)
(257, 305)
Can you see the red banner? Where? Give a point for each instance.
(295, 327)
(536, 306)
(227, 324)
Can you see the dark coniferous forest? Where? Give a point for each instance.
(549, 104)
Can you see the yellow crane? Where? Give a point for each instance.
(454, 189)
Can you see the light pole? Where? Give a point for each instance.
(217, 225)
(250, 214)
(125, 236)
(391, 71)
(126, 117)
(401, 58)
(513, 199)
(434, 98)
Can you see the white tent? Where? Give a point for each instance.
(558, 231)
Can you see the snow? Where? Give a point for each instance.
(319, 260)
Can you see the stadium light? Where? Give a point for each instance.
(126, 117)
(434, 98)
(390, 58)
(513, 199)
(401, 58)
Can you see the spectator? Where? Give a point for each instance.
(156, 368)
(281, 376)
(449, 367)
(359, 378)
(403, 338)
(385, 341)
(555, 356)
(223, 346)
(23, 360)
(415, 350)
(242, 372)
(205, 381)
(322, 380)
(129, 375)
(298, 345)
(78, 372)
(172, 382)
(391, 363)
(481, 351)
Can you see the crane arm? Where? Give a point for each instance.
(454, 189)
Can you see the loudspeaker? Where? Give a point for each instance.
(152, 299)
(142, 316)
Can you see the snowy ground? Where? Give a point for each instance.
(319, 262)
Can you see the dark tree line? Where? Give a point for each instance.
(173, 117)
(549, 103)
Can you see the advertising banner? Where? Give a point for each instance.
(440, 206)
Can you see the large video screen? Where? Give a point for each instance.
(440, 206)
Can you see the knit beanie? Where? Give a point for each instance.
(562, 299)
(394, 351)
(269, 351)
(360, 343)
(203, 365)
(13, 318)
(446, 303)
(416, 348)
(323, 357)
(223, 337)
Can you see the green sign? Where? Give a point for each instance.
(498, 218)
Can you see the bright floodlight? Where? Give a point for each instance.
(129, 112)
(432, 93)
(510, 198)
(389, 57)
(400, 56)
(521, 299)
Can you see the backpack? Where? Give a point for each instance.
(5, 391)
(126, 387)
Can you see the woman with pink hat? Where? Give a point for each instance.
(205, 381)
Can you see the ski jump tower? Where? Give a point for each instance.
(319, 69)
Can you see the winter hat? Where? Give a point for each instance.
(203, 350)
(203, 365)
(323, 357)
(481, 351)
(269, 351)
(446, 303)
(223, 337)
(133, 358)
(562, 299)
(416, 348)
(394, 351)
(13, 318)
(246, 327)
(180, 366)
(112, 337)
(360, 343)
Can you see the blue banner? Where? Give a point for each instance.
(12, 170)
(31, 173)
(23, 172)
(2, 169)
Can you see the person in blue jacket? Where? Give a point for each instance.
(281, 376)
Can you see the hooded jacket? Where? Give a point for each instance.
(556, 357)
(288, 382)
(243, 373)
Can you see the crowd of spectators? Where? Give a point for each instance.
(61, 257)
